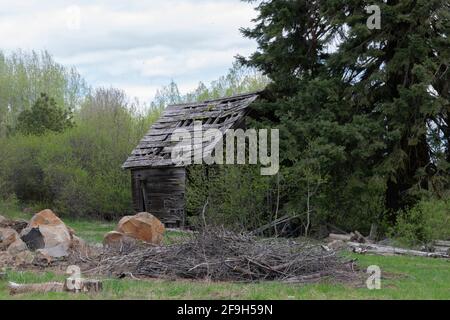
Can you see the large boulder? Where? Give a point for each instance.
(13, 251)
(23, 258)
(55, 234)
(17, 247)
(142, 226)
(45, 218)
(7, 237)
(17, 225)
(5, 260)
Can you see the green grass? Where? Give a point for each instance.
(402, 278)
(90, 230)
(9, 209)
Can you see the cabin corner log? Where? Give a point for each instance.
(391, 251)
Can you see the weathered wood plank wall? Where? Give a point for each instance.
(160, 192)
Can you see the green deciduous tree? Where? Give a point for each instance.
(24, 76)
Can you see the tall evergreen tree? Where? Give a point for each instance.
(399, 74)
(371, 106)
(44, 116)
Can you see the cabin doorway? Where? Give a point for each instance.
(143, 190)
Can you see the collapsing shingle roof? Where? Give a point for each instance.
(155, 148)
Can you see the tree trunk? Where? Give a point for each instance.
(397, 189)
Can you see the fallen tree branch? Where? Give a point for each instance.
(274, 223)
(389, 251)
(15, 288)
(85, 285)
(342, 237)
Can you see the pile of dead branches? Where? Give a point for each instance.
(219, 255)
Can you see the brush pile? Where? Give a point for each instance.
(220, 255)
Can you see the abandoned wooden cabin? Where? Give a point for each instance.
(158, 183)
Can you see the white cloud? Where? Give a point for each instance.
(134, 44)
(142, 92)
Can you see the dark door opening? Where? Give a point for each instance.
(144, 203)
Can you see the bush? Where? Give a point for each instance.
(429, 220)
(9, 206)
(77, 172)
(238, 196)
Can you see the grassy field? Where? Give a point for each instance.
(402, 278)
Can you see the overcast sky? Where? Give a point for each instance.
(135, 45)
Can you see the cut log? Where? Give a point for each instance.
(445, 250)
(15, 288)
(390, 251)
(92, 285)
(86, 285)
(83, 285)
(442, 243)
(342, 237)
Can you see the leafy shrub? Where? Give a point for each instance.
(9, 205)
(428, 220)
(236, 196)
(77, 172)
